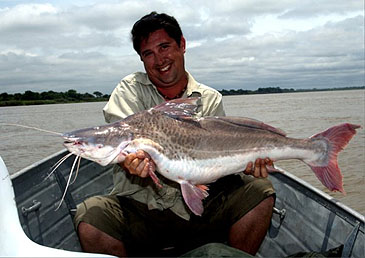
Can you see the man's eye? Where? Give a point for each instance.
(146, 54)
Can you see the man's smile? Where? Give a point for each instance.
(165, 68)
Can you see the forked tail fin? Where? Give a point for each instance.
(337, 136)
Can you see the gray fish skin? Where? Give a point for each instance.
(195, 152)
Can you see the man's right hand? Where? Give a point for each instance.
(138, 163)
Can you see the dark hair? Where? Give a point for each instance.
(152, 22)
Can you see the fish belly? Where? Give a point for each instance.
(208, 170)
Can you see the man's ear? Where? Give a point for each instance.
(183, 43)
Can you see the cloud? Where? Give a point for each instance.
(83, 71)
(312, 8)
(326, 56)
(235, 44)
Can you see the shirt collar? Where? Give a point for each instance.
(192, 85)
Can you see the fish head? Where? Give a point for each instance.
(101, 144)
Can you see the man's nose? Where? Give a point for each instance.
(159, 59)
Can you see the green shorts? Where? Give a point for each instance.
(147, 232)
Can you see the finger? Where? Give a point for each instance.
(263, 171)
(248, 169)
(256, 172)
(140, 166)
(133, 166)
(269, 162)
(144, 171)
(141, 154)
(146, 155)
(128, 159)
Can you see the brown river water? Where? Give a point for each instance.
(298, 114)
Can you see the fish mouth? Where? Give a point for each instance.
(70, 138)
(68, 142)
(71, 142)
(75, 144)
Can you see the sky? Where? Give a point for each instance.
(232, 44)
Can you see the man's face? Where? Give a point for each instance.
(163, 59)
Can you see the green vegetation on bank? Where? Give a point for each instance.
(270, 90)
(49, 97)
(72, 96)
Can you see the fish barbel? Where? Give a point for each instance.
(198, 151)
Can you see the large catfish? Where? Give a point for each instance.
(198, 151)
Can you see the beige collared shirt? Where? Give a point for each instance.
(136, 93)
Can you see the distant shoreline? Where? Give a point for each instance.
(72, 96)
(272, 90)
(50, 97)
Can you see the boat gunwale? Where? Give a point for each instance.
(316, 193)
(35, 164)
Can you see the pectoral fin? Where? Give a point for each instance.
(193, 197)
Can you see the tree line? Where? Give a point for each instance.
(258, 91)
(270, 90)
(50, 97)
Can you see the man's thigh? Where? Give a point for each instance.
(104, 213)
(234, 196)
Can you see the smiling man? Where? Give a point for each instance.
(163, 60)
(140, 219)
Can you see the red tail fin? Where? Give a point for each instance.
(338, 137)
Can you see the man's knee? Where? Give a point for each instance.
(100, 214)
(90, 208)
(96, 241)
(269, 201)
(88, 232)
(260, 185)
(265, 207)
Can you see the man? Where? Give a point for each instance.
(138, 218)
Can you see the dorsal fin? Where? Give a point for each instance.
(178, 107)
(248, 122)
(185, 109)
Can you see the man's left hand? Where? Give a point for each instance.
(259, 170)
